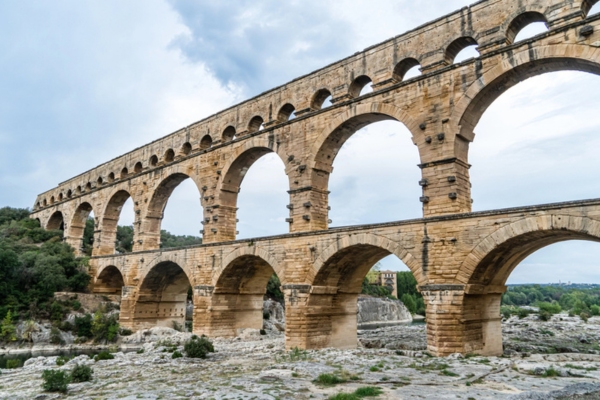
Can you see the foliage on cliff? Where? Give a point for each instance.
(34, 263)
(575, 299)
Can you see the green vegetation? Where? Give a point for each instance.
(407, 287)
(81, 373)
(168, 240)
(198, 347)
(55, 381)
(103, 355)
(366, 391)
(274, 288)
(551, 300)
(329, 380)
(14, 363)
(34, 263)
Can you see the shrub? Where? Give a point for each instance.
(544, 316)
(81, 373)
(103, 355)
(55, 337)
(584, 316)
(76, 305)
(344, 396)
(104, 328)
(57, 312)
(368, 391)
(83, 326)
(140, 351)
(61, 360)
(551, 308)
(176, 354)
(329, 380)
(55, 381)
(66, 326)
(522, 313)
(14, 363)
(595, 310)
(125, 332)
(409, 302)
(8, 330)
(198, 347)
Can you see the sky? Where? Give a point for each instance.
(82, 82)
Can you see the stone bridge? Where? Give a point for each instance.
(460, 259)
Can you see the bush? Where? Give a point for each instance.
(368, 391)
(55, 381)
(55, 337)
(409, 302)
(14, 363)
(544, 316)
(103, 355)
(329, 380)
(57, 312)
(595, 310)
(523, 313)
(61, 360)
(198, 347)
(8, 329)
(76, 305)
(81, 373)
(83, 326)
(584, 316)
(176, 354)
(125, 332)
(104, 328)
(550, 308)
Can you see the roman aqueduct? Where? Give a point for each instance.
(460, 259)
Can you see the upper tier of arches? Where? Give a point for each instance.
(430, 48)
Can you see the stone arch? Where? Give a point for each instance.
(357, 85)
(285, 112)
(109, 221)
(228, 134)
(523, 64)
(520, 21)
(153, 160)
(186, 148)
(586, 6)
(206, 142)
(239, 289)
(255, 124)
(109, 280)
(159, 197)
(456, 46)
(340, 128)
(316, 103)
(403, 67)
(487, 267)
(78, 221)
(56, 221)
(234, 171)
(138, 167)
(244, 251)
(493, 259)
(367, 240)
(162, 296)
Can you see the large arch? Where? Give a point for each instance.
(487, 267)
(56, 221)
(109, 221)
(151, 224)
(77, 226)
(228, 189)
(162, 297)
(109, 281)
(338, 276)
(239, 288)
(521, 65)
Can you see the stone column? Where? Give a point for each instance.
(128, 300)
(446, 187)
(308, 209)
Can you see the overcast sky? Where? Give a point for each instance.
(82, 82)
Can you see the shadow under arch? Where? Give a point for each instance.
(488, 266)
(238, 295)
(339, 274)
(109, 281)
(109, 221)
(494, 82)
(162, 297)
(151, 223)
(77, 226)
(56, 221)
(235, 170)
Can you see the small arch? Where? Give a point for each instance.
(169, 155)
(110, 281)
(206, 142)
(88, 186)
(590, 7)
(100, 181)
(515, 31)
(360, 86)
(37, 205)
(228, 134)
(256, 124)
(460, 46)
(111, 177)
(285, 112)
(405, 68)
(186, 148)
(45, 202)
(138, 167)
(78, 190)
(319, 99)
(56, 221)
(69, 193)
(60, 197)
(154, 160)
(124, 173)
(79, 220)
(52, 200)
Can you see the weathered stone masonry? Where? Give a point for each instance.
(460, 259)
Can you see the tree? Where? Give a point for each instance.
(8, 329)
(409, 302)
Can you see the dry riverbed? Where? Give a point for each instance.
(254, 366)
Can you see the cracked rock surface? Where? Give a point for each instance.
(254, 366)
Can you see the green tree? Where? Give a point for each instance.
(409, 302)
(273, 288)
(124, 239)
(8, 329)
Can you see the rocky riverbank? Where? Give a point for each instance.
(255, 366)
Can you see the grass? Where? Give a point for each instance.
(366, 391)
(550, 373)
(329, 380)
(571, 366)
